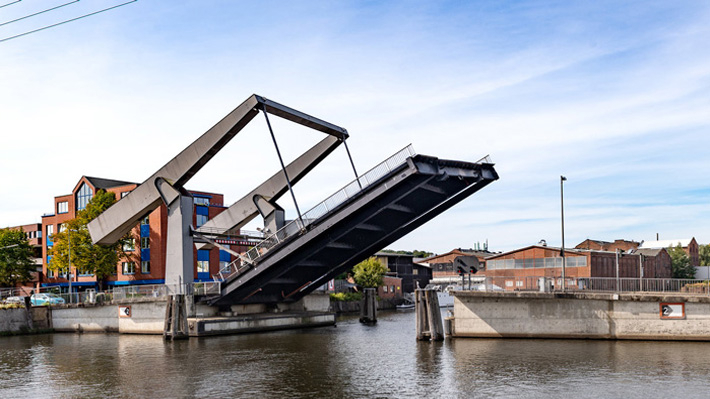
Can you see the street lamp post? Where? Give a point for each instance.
(69, 267)
(562, 212)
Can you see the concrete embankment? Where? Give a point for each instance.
(25, 321)
(581, 315)
(147, 316)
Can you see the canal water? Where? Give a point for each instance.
(348, 361)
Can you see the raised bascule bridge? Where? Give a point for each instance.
(294, 256)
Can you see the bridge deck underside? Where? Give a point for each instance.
(400, 202)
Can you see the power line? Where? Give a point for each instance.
(9, 4)
(67, 21)
(37, 13)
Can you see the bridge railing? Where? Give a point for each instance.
(138, 292)
(323, 208)
(589, 284)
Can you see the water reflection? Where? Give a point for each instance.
(350, 360)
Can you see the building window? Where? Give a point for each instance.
(62, 227)
(125, 193)
(128, 267)
(201, 215)
(145, 242)
(50, 273)
(83, 196)
(223, 264)
(385, 288)
(63, 207)
(130, 245)
(50, 232)
(200, 220)
(145, 220)
(203, 266)
(415, 271)
(201, 201)
(145, 267)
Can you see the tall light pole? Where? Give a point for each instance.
(69, 268)
(562, 211)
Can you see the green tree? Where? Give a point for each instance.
(704, 252)
(16, 263)
(87, 258)
(680, 263)
(369, 273)
(416, 253)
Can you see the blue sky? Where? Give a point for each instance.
(616, 97)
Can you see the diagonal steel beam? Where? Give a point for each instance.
(116, 221)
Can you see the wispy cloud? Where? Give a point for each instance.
(614, 96)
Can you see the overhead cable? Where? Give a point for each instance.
(67, 21)
(37, 13)
(11, 3)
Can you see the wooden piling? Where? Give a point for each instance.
(368, 306)
(175, 318)
(428, 315)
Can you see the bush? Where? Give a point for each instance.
(346, 296)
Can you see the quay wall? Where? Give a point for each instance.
(143, 318)
(23, 320)
(147, 316)
(576, 315)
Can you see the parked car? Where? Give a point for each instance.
(46, 299)
(14, 299)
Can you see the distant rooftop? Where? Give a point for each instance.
(684, 242)
(647, 251)
(99, 182)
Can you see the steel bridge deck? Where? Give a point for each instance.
(385, 211)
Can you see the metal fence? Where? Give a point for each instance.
(589, 284)
(329, 204)
(146, 292)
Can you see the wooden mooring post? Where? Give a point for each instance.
(368, 306)
(428, 315)
(175, 318)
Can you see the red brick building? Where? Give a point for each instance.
(690, 246)
(510, 269)
(599, 245)
(442, 266)
(147, 260)
(391, 287)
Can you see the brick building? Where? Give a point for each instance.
(510, 269)
(599, 245)
(147, 254)
(690, 246)
(442, 266)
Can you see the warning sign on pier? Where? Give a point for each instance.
(672, 310)
(124, 311)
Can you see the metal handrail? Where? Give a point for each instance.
(323, 208)
(246, 234)
(590, 284)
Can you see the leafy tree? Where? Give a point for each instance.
(87, 258)
(16, 263)
(416, 253)
(368, 273)
(680, 263)
(704, 252)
